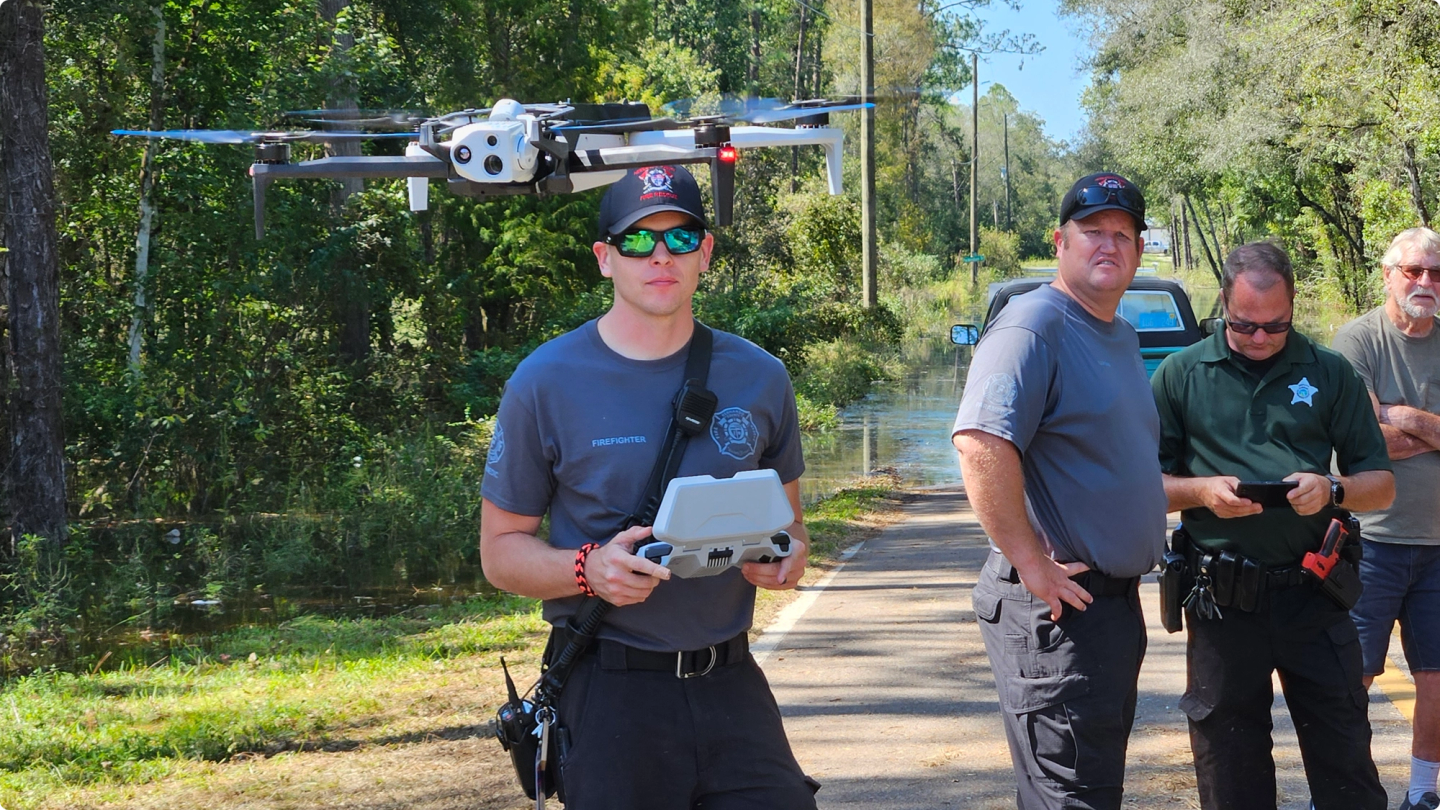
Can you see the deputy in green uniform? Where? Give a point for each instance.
(1260, 402)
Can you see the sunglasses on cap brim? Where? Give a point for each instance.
(1125, 197)
(637, 243)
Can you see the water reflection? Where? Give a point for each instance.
(903, 425)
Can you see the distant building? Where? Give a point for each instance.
(1156, 240)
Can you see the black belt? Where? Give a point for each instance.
(1276, 579)
(1096, 583)
(683, 664)
(1287, 577)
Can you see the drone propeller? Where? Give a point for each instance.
(623, 127)
(367, 119)
(800, 111)
(756, 110)
(257, 136)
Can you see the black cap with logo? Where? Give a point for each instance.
(646, 191)
(1101, 192)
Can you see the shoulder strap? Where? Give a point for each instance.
(694, 406)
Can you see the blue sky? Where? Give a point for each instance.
(1048, 84)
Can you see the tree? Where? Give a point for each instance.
(35, 475)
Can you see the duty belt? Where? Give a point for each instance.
(683, 664)
(1096, 583)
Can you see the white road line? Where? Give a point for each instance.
(785, 621)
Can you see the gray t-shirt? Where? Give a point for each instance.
(1069, 391)
(577, 434)
(1400, 370)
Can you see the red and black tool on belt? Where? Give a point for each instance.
(1335, 567)
(1321, 563)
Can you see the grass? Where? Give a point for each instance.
(312, 684)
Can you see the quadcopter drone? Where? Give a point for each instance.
(542, 149)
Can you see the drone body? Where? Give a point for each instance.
(545, 149)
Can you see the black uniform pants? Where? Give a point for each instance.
(1067, 689)
(647, 740)
(1312, 643)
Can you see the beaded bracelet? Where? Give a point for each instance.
(580, 556)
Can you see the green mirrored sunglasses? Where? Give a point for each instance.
(640, 242)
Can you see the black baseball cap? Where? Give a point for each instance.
(1101, 192)
(650, 190)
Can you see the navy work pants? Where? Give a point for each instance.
(1067, 689)
(1312, 643)
(647, 740)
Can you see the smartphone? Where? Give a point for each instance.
(1269, 494)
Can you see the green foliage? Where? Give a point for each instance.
(839, 372)
(816, 416)
(358, 330)
(1314, 122)
(1001, 250)
(301, 683)
(40, 593)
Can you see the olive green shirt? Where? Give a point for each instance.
(1216, 418)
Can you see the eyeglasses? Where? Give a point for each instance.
(1247, 328)
(640, 242)
(1414, 272)
(1126, 197)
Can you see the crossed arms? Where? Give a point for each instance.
(1408, 431)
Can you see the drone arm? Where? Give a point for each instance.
(417, 168)
(338, 168)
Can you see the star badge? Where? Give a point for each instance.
(1303, 392)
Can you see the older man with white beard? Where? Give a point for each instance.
(1396, 349)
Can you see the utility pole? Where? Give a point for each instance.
(867, 155)
(1007, 171)
(974, 158)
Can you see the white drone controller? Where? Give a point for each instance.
(707, 525)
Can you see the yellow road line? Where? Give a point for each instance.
(1399, 689)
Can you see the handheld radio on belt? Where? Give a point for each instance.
(525, 727)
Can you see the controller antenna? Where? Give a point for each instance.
(509, 683)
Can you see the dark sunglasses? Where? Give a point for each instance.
(1247, 328)
(1414, 272)
(1127, 198)
(640, 242)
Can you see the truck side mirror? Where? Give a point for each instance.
(1209, 326)
(964, 334)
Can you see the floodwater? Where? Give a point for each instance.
(902, 426)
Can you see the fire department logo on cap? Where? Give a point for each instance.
(656, 180)
(1109, 181)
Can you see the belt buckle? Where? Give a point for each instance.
(680, 665)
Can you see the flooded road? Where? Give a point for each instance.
(904, 425)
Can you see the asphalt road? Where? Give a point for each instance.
(889, 701)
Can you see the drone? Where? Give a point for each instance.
(541, 149)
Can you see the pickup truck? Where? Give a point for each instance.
(1158, 308)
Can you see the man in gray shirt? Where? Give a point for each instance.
(668, 710)
(1059, 448)
(1396, 350)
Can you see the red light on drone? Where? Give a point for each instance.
(728, 154)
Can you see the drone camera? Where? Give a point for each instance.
(502, 149)
(462, 155)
